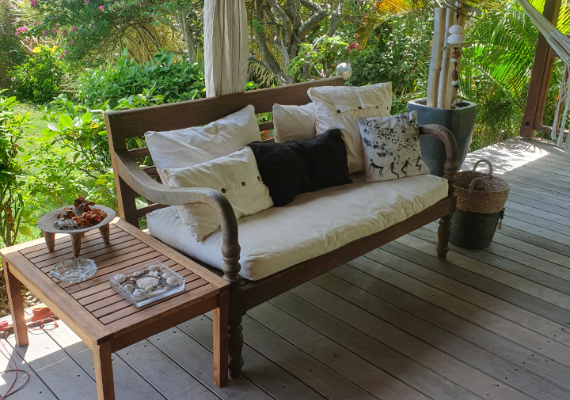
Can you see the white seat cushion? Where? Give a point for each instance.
(313, 224)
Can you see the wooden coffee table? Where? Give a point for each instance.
(104, 320)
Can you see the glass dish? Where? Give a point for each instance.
(147, 284)
(75, 270)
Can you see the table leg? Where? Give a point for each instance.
(50, 241)
(221, 340)
(14, 291)
(104, 230)
(104, 372)
(76, 243)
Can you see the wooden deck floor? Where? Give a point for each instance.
(396, 324)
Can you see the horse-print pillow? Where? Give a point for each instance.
(391, 147)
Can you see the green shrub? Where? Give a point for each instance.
(175, 81)
(38, 79)
(11, 169)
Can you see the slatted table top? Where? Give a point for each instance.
(97, 309)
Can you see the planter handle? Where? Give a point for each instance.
(486, 162)
(480, 179)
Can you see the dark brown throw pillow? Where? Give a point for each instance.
(300, 166)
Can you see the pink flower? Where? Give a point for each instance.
(94, 27)
(54, 31)
(73, 42)
(44, 33)
(87, 43)
(61, 56)
(33, 3)
(64, 32)
(56, 18)
(152, 15)
(17, 33)
(22, 29)
(36, 23)
(354, 46)
(101, 8)
(73, 29)
(86, 1)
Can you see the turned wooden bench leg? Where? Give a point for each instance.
(443, 234)
(235, 347)
(16, 302)
(221, 341)
(104, 372)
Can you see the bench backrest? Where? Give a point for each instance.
(127, 124)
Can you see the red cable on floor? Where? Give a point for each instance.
(40, 315)
(9, 392)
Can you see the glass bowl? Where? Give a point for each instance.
(75, 270)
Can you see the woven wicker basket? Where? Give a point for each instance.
(480, 193)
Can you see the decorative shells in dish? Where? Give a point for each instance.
(143, 286)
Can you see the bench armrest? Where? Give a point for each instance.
(451, 165)
(131, 173)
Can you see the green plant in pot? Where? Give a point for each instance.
(442, 106)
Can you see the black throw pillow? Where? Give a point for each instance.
(300, 166)
(284, 173)
(326, 157)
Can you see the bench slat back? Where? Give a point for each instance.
(126, 124)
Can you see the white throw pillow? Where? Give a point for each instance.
(236, 176)
(341, 106)
(191, 146)
(392, 147)
(293, 122)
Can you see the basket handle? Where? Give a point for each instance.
(486, 162)
(480, 179)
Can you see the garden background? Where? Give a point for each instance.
(63, 63)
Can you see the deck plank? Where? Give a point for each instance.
(446, 340)
(474, 265)
(66, 379)
(462, 309)
(504, 309)
(350, 365)
(427, 370)
(128, 384)
(309, 370)
(172, 381)
(260, 370)
(198, 362)
(35, 389)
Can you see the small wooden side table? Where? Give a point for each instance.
(104, 320)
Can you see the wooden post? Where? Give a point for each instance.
(540, 78)
(436, 55)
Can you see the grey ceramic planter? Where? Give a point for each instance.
(460, 122)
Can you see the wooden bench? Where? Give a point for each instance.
(132, 182)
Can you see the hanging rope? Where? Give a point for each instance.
(561, 45)
(562, 108)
